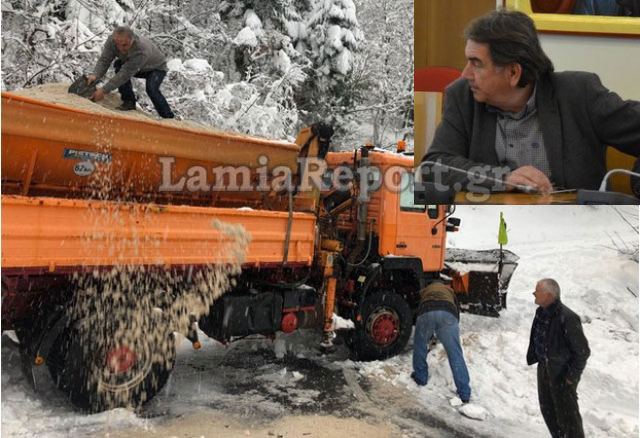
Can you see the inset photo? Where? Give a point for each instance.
(527, 102)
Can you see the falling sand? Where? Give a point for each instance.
(119, 348)
(137, 308)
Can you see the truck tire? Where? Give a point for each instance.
(385, 328)
(95, 379)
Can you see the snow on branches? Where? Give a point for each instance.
(258, 67)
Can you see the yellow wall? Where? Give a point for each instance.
(607, 46)
(438, 29)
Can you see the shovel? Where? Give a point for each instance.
(81, 88)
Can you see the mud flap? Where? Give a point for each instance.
(38, 344)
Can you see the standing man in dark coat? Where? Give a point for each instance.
(510, 120)
(136, 56)
(439, 314)
(561, 350)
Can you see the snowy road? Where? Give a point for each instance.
(245, 387)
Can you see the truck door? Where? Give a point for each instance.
(414, 235)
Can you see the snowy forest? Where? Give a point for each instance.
(259, 67)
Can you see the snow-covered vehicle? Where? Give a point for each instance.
(115, 236)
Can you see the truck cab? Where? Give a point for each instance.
(392, 247)
(400, 227)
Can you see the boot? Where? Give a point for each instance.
(127, 105)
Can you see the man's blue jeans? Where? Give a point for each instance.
(153, 79)
(445, 326)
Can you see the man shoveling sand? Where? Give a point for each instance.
(135, 56)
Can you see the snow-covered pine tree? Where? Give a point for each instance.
(305, 62)
(266, 58)
(386, 65)
(332, 39)
(52, 41)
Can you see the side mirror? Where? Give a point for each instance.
(452, 224)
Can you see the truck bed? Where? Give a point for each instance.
(62, 150)
(55, 235)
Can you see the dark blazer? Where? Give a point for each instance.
(578, 116)
(566, 346)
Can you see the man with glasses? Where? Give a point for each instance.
(514, 121)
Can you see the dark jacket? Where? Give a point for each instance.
(439, 296)
(578, 116)
(629, 8)
(567, 349)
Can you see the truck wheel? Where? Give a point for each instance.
(117, 375)
(385, 328)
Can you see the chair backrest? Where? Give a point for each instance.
(553, 6)
(428, 85)
(434, 79)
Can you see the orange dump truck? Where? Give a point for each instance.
(86, 193)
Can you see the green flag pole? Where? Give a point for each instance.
(502, 232)
(502, 240)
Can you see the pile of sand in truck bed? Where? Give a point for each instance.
(57, 94)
